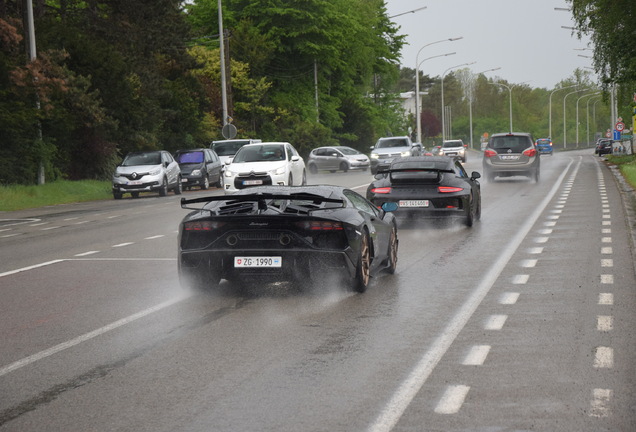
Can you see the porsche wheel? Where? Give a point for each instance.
(363, 269)
(470, 214)
(392, 254)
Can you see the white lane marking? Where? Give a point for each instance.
(529, 263)
(123, 244)
(452, 400)
(606, 216)
(81, 222)
(71, 218)
(6, 229)
(402, 397)
(535, 250)
(607, 279)
(606, 210)
(606, 240)
(495, 322)
(477, 355)
(11, 235)
(113, 216)
(38, 224)
(87, 336)
(600, 403)
(154, 237)
(549, 224)
(607, 222)
(607, 262)
(606, 299)
(520, 279)
(86, 253)
(509, 298)
(545, 231)
(603, 357)
(606, 231)
(553, 217)
(50, 228)
(30, 267)
(607, 250)
(541, 239)
(604, 323)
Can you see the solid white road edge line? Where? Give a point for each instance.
(402, 398)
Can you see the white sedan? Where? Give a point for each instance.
(268, 163)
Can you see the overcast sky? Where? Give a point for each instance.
(523, 37)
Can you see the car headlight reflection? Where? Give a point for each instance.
(196, 172)
(375, 156)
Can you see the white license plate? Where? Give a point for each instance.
(252, 182)
(508, 157)
(134, 182)
(184, 180)
(413, 203)
(258, 261)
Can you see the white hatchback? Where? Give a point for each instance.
(268, 163)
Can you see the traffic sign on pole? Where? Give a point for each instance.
(620, 126)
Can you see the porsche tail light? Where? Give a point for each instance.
(490, 153)
(449, 189)
(202, 225)
(381, 190)
(530, 152)
(320, 225)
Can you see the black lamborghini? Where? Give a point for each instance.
(428, 186)
(286, 233)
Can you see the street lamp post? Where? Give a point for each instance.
(565, 142)
(587, 110)
(550, 108)
(449, 69)
(509, 101)
(417, 84)
(577, 115)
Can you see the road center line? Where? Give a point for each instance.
(401, 399)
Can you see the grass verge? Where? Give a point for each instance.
(20, 197)
(627, 166)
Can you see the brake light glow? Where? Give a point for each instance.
(381, 190)
(449, 189)
(202, 225)
(320, 225)
(530, 152)
(490, 153)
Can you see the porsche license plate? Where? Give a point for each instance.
(252, 182)
(413, 203)
(258, 261)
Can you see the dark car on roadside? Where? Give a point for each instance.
(544, 146)
(200, 167)
(428, 187)
(511, 154)
(300, 234)
(603, 146)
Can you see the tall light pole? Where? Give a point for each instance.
(417, 98)
(417, 84)
(470, 105)
(509, 101)
(447, 70)
(587, 110)
(223, 78)
(550, 108)
(577, 115)
(565, 142)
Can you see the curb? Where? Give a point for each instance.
(628, 195)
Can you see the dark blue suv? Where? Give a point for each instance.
(544, 146)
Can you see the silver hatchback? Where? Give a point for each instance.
(337, 158)
(511, 154)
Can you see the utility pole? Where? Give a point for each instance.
(32, 54)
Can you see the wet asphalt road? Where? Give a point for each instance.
(523, 322)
